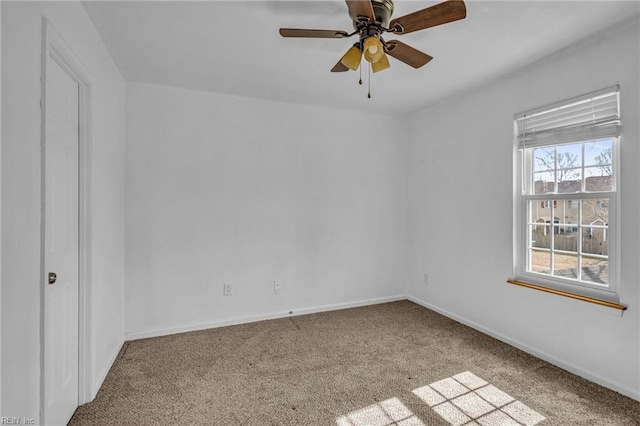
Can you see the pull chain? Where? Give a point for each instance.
(369, 88)
(360, 67)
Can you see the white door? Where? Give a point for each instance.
(61, 245)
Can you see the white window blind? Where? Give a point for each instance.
(585, 117)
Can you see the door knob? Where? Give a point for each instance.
(52, 277)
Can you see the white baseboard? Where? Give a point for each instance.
(631, 393)
(143, 334)
(103, 375)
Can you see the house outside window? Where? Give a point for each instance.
(566, 203)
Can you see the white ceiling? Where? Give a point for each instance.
(233, 47)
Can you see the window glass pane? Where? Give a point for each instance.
(595, 212)
(598, 153)
(565, 265)
(567, 212)
(569, 180)
(595, 270)
(543, 182)
(594, 241)
(540, 261)
(569, 156)
(565, 239)
(540, 236)
(544, 159)
(540, 212)
(598, 178)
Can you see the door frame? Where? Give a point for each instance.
(55, 48)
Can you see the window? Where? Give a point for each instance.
(566, 203)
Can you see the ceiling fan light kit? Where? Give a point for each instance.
(371, 19)
(372, 49)
(352, 58)
(381, 64)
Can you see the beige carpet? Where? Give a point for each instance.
(394, 363)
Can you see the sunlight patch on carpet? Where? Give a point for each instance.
(466, 399)
(390, 412)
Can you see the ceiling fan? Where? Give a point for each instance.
(372, 18)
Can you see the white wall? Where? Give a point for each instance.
(460, 214)
(0, 213)
(21, 50)
(223, 189)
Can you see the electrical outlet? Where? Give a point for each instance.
(226, 289)
(425, 279)
(277, 286)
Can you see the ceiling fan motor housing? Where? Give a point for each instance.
(382, 9)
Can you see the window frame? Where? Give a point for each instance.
(524, 172)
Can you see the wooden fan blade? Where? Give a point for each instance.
(339, 67)
(442, 13)
(296, 32)
(407, 54)
(361, 8)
